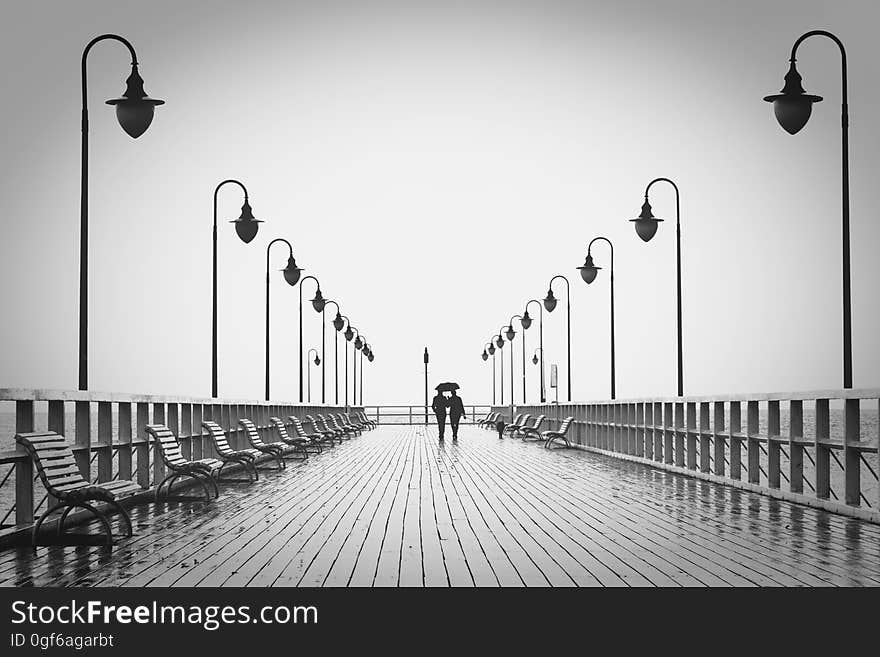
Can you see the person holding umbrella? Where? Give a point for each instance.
(438, 405)
(456, 412)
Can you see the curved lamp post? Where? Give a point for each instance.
(550, 305)
(338, 319)
(511, 334)
(357, 343)
(360, 344)
(317, 361)
(134, 111)
(526, 322)
(588, 272)
(646, 228)
(291, 275)
(793, 108)
(485, 356)
(246, 227)
(318, 303)
(348, 335)
(499, 342)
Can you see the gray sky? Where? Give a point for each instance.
(434, 164)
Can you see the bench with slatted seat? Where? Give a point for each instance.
(298, 445)
(202, 471)
(346, 424)
(244, 457)
(275, 450)
(317, 440)
(321, 427)
(57, 468)
(333, 424)
(365, 420)
(346, 418)
(533, 430)
(518, 423)
(489, 421)
(482, 421)
(550, 437)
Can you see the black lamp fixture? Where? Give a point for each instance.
(589, 270)
(510, 333)
(319, 301)
(550, 302)
(484, 355)
(338, 322)
(491, 348)
(793, 107)
(526, 323)
(499, 340)
(246, 228)
(134, 112)
(291, 275)
(526, 320)
(349, 334)
(646, 228)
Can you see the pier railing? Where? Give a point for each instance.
(108, 437)
(817, 448)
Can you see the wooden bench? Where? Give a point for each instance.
(275, 450)
(60, 474)
(331, 422)
(345, 418)
(367, 421)
(316, 439)
(320, 425)
(346, 425)
(299, 445)
(203, 471)
(533, 431)
(518, 423)
(245, 457)
(560, 434)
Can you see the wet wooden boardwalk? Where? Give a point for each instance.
(392, 508)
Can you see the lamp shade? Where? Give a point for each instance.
(484, 355)
(317, 359)
(499, 341)
(338, 322)
(134, 109)
(646, 222)
(535, 359)
(319, 301)
(792, 106)
(246, 226)
(589, 270)
(526, 320)
(550, 301)
(349, 334)
(291, 271)
(358, 343)
(510, 333)
(491, 349)
(370, 357)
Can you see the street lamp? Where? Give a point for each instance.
(291, 275)
(348, 335)
(246, 227)
(550, 304)
(793, 108)
(485, 356)
(338, 323)
(134, 112)
(526, 322)
(511, 334)
(499, 341)
(357, 344)
(361, 345)
(318, 303)
(317, 361)
(589, 270)
(646, 227)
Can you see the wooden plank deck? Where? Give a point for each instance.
(394, 508)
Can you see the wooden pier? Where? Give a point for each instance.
(395, 508)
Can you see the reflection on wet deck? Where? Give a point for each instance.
(392, 508)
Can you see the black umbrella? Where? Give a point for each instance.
(447, 386)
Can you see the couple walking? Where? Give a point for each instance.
(453, 406)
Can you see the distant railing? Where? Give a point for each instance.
(108, 437)
(415, 414)
(817, 448)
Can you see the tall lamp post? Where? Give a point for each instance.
(550, 305)
(499, 342)
(426, 359)
(588, 273)
(246, 228)
(485, 356)
(348, 335)
(338, 323)
(646, 228)
(134, 112)
(317, 361)
(318, 305)
(359, 344)
(793, 107)
(291, 275)
(511, 334)
(526, 322)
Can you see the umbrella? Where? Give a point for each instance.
(447, 386)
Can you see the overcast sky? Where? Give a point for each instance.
(434, 164)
